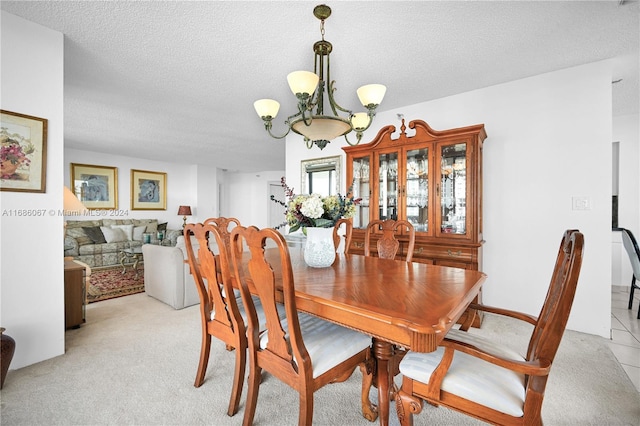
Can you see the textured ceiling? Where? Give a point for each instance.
(176, 81)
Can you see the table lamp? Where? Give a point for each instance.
(71, 204)
(184, 211)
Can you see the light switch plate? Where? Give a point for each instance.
(581, 203)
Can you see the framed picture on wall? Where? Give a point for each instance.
(148, 190)
(23, 155)
(95, 186)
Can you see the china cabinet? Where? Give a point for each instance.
(431, 178)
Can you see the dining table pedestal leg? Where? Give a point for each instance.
(383, 352)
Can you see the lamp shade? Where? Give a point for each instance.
(267, 107)
(371, 94)
(184, 211)
(360, 120)
(302, 82)
(71, 204)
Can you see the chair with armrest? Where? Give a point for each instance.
(348, 231)
(387, 244)
(631, 246)
(301, 350)
(221, 313)
(488, 381)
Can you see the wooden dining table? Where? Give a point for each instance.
(398, 303)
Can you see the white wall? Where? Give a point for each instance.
(246, 196)
(549, 139)
(31, 276)
(186, 185)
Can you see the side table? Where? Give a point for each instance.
(74, 294)
(131, 254)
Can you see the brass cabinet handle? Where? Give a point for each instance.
(420, 250)
(451, 253)
(358, 245)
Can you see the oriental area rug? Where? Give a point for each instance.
(110, 282)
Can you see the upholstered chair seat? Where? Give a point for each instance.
(472, 378)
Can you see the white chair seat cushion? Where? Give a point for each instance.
(472, 378)
(328, 344)
(258, 306)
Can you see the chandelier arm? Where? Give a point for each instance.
(334, 104)
(305, 104)
(308, 142)
(358, 136)
(268, 125)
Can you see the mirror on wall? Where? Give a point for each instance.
(321, 175)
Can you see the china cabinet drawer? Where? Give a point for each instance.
(450, 253)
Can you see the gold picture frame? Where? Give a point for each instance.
(95, 186)
(23, 159)
(148, 190)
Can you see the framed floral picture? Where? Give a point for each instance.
(23, 156)
(95, 186)
(148, 190)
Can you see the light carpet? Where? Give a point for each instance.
(134, 363)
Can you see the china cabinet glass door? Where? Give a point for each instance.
(453, 188)
(417, 189)
(388, 186)
(361, 189)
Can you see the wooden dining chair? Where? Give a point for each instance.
(301, 350)
(631, 246)
(221, 316)
(348, 231)
(387, 244)
(225, 225)
(491, 381)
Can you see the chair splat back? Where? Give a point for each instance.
(387, 244)
(224, 225)
(554, 314)
(348, 231)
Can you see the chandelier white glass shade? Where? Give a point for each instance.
(311, 88)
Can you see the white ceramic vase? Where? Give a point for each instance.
(319, 251)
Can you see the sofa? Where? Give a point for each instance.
(167, 275)
(98, 243)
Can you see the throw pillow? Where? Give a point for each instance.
(80, 236)
(113, 235)
(162, 226)
(152, 227)
(95, 234)
(138, 231)
(127, 229)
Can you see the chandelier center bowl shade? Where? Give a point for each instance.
(313, 91)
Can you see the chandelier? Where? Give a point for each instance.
(309, 88)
